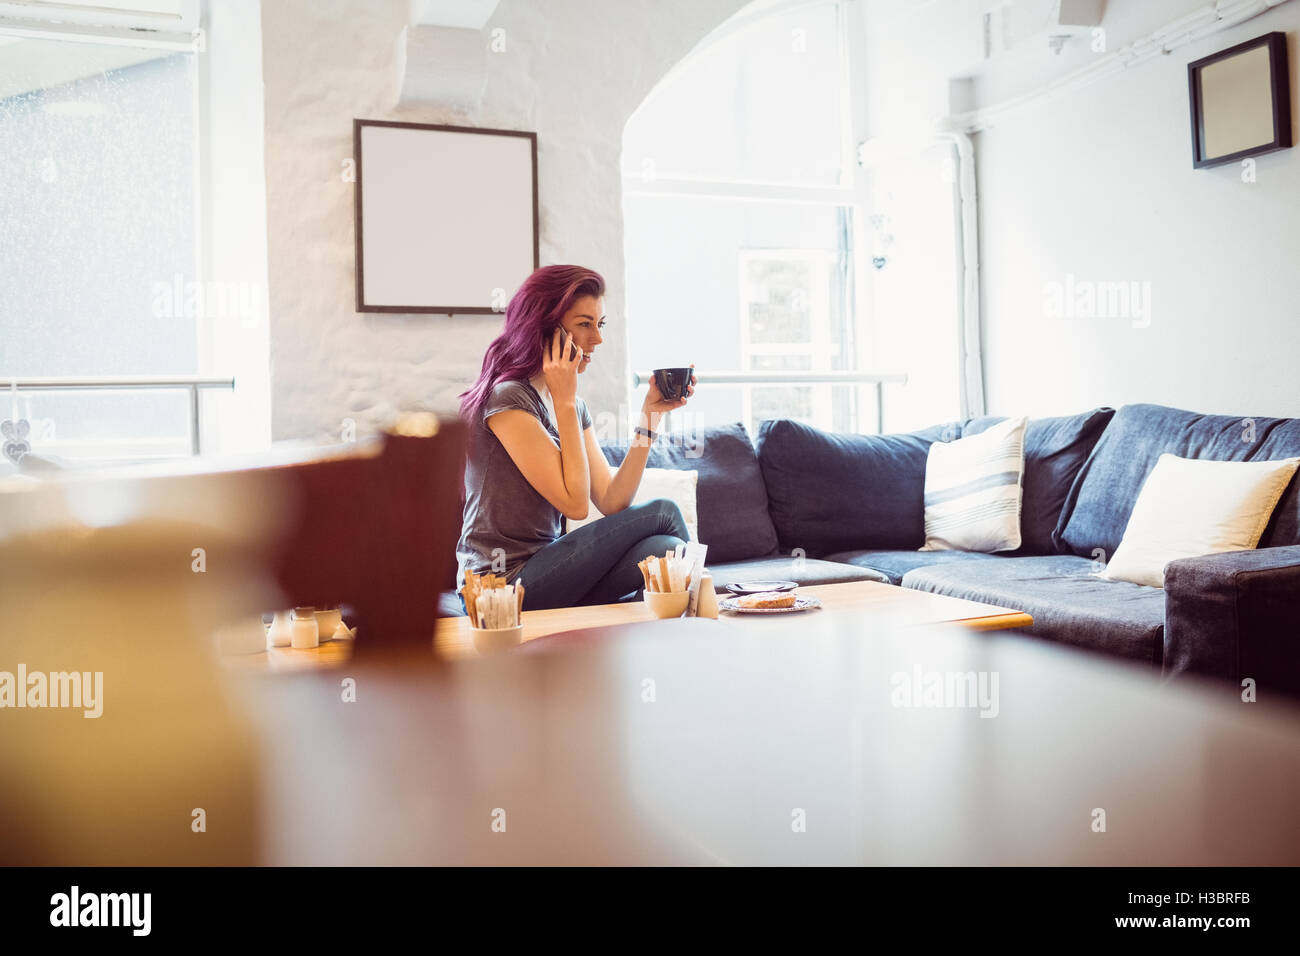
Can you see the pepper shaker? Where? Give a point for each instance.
(708, 602)
(281, 632)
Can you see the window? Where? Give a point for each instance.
(786, 327)
(99, 234)
(739, 217)
(756, 246)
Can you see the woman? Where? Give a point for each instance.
(534, 459)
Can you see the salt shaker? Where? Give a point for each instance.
(708, 601)
(281, 632)
(305, 633)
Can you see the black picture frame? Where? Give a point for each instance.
(359, 206)
(1279, 85)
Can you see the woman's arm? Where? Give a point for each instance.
(613, 494)
(613, 491)
(560, 475)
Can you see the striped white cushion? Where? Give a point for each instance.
(973, 490)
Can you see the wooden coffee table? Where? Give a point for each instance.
(454, 637)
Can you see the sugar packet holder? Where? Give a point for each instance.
(490, 602)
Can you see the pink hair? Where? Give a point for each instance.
(535, 311)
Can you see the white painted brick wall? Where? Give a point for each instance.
(573, 71)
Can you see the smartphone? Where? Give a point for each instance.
(546, 345)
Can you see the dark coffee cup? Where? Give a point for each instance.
(672, 382)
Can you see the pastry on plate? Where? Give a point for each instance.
(766, 599)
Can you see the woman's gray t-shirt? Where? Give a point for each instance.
(506, 519)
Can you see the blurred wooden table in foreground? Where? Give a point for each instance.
(819, 740)
(115, 582)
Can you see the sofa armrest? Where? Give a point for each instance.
(1236, 615)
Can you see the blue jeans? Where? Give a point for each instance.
(597, 563)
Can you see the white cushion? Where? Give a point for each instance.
(1190, 507)
(677, 485)
(973, 490)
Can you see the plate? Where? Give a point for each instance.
(800, 604)
(754, 587)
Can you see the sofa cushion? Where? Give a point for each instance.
(806, 572)
(678, 485)
(1102, 499)
(1055, 450)
(729, 495)
(1066, 599)
(1281, 439)
(895, 564)
(1190, 507)
(832, 492)
(973, 490)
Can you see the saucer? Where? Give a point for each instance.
(800, 604)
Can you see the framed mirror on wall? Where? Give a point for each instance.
(1240, 101)
(446, 216)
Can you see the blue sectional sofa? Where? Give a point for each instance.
(858, 500)
(822, 508)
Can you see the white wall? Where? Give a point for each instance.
(911, 51)
(1100, 185)
(573, 70)
(1097, 185)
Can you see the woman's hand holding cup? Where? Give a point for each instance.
(656, 404)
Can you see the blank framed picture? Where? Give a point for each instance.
(1240, 101)
(446, 216)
